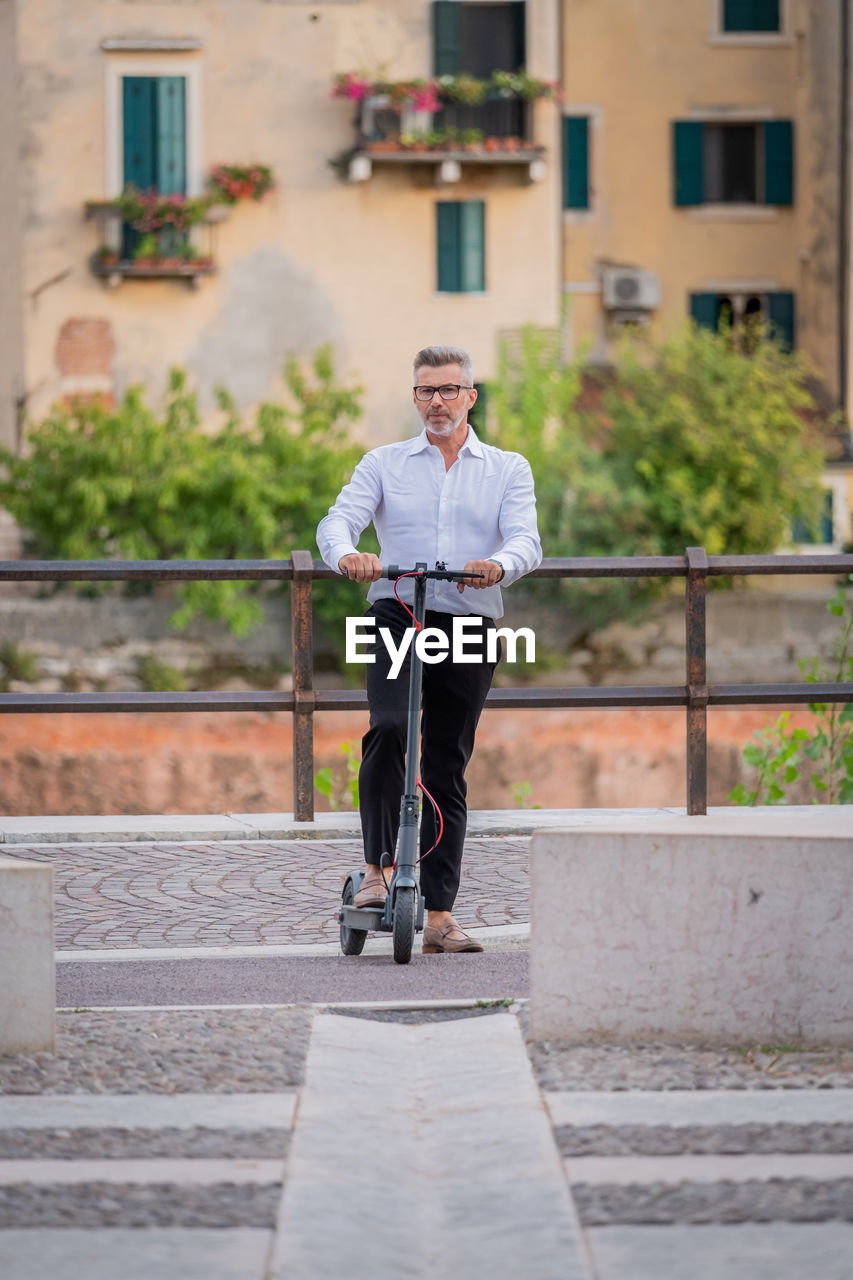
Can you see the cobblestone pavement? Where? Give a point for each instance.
(247, 894)
(174, 1051)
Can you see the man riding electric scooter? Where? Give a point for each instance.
(442, 497)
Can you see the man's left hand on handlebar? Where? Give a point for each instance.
(491, 571)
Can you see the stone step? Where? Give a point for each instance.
(689, 1107)
(140, 1173)
(703, 1122)
(722, 1189)
(149, 1111)
(141, 1126)
(170, 1253)
(747, 1251)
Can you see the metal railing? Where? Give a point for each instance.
(695, 695)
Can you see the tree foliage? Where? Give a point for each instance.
(689, 443)
(135, 483)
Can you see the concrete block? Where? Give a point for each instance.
(727, 929)
(27, 972)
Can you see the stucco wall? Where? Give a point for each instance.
(11, 298)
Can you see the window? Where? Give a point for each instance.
(711, 310)
(155, 132)
(461, 246)
(478, 39)
(820, 534)
(730, 163)
(154, 139)
(721, 163)
(575, 162)
(752, 15)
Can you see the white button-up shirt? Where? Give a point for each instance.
(482, 508)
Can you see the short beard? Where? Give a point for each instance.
(453, 425)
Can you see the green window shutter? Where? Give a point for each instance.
(688, 162)
(703, 309)
(473, 246)
(447, 37)
(447, 223)
(139, 104)
(575, 162)
(171, 135)
(778, 162)
(751, 15)
(461, 246)
(780, 313)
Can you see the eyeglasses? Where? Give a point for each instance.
(448, 392)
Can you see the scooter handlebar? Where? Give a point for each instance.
(393, 571)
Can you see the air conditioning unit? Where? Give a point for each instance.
(627, 289)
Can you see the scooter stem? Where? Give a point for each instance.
(407, 851)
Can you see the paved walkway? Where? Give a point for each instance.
(255, 1143)
(243, 893)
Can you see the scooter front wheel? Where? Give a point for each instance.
(352, 940)
(403, 925)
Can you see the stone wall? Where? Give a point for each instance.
(753, 635)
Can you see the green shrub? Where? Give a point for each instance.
(689, 443)
(159, 677)
(18, 664)
(780, 756)
(134, 483)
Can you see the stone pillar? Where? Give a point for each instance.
(27, 970)
(733, 928)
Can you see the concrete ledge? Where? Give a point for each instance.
(731, 928)
(127, 828)
(27, 971)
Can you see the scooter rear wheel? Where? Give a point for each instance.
(403, 927)
(352, 940)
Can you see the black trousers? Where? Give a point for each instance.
(452, 699)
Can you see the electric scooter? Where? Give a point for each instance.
(403, 913)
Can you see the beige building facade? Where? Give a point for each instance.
(348, 258)
(703, 176)
(694, 167)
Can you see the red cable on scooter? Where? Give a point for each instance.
(418, 625)
(440, 820)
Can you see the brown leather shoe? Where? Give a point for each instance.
(373, 891)
(437, 940)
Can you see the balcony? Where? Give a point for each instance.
(444, 125)
(125, 254)
(154, 235)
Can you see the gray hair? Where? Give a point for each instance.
(435, 357)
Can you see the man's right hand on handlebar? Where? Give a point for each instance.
(363, 566)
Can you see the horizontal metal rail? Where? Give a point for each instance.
(544, 698)
(282, 570)
(301, 570)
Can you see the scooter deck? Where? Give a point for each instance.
(366, 918)
(370, 919)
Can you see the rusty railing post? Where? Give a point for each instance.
(697, 685)
(302, 632)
